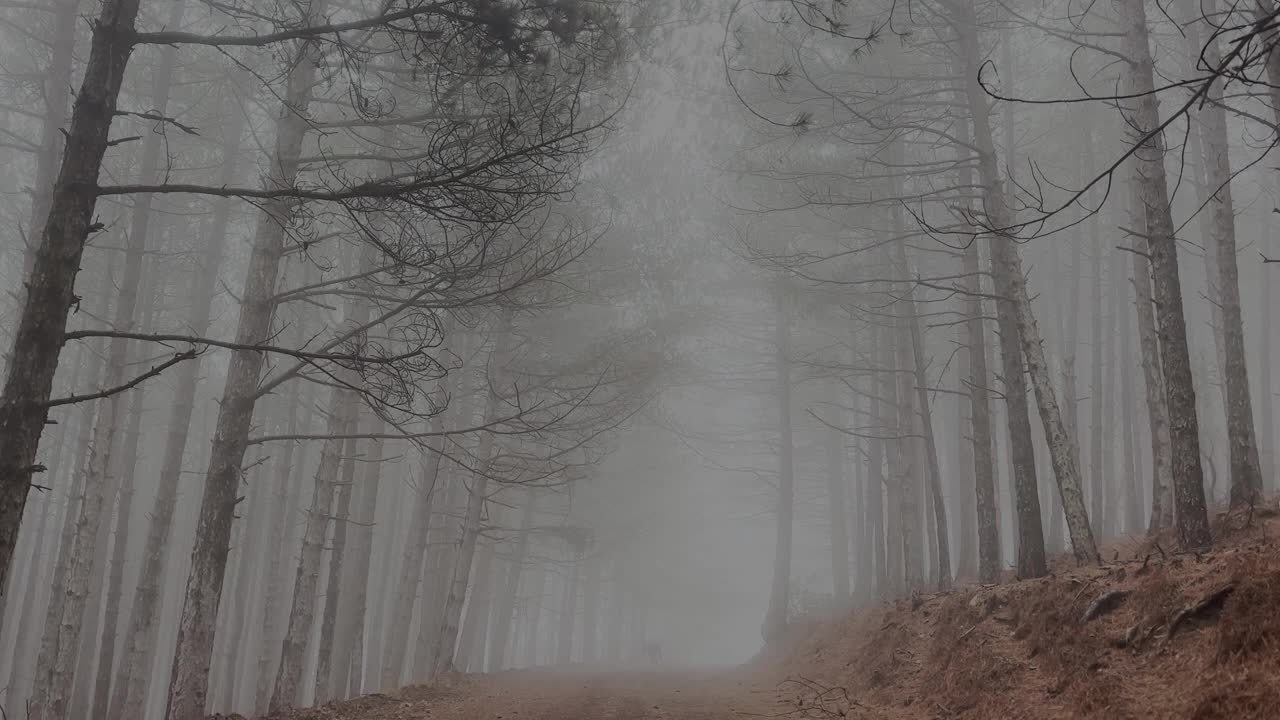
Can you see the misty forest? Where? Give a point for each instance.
(639, 359)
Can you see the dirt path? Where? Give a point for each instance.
(569, 695)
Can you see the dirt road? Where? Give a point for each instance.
(569, 695)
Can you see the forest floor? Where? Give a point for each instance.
(1151, 633)
(568, 694)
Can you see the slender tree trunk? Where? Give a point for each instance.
(135, 667)
(978, 381)
(1153, 374)
(354, 645)
(337, 552)
(37, 344)
(286, 501)
(1263, 9)
(568, 611)
(908, 432)
(115, 582)
(537, 588)
(943, 553)
(1097, 482)
(590, 608)
(189, 682)
(444, 542)
(511, 583)
(75, 498)
(471, 636)
(617, 613)
(406, 588)
(1128, 404)
(887, 420)
(775, 620)
(57, 693)
(1246, 473)
(442, 662)
(1011, 287)
(837, 516)
(1143, 115)
(306, 582)
(876, 488)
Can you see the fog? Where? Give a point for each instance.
(350, 345)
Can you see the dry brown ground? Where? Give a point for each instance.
(1176, 635)
(568, 695)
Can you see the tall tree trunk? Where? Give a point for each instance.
(115, 581)
(511, 583)
(887, 420)
(590, 608)
(306, 582)
(57, 693)
(943, 554)
(1143, 115)
(406, 588)
(537, 588)
(1264, 9)
(775, 619)
(286, 501)
(189, 681)
(1152, 373)
(333, 591)
(38, 342)
(1246, 473)
(1097, 483)
(617, 613)
(978, 381)
(353, 645)
(568, 611)
(876, 486)
(837, 516)
(907, 471)
(1132, 471)
(75, 497)
(135, 666)
(442, 662)
(1011, 287)
(472, 634)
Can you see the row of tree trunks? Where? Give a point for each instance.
(1011, 288)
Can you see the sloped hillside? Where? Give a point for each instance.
(1149, 634)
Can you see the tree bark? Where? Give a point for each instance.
(442, 662)
(333, 591)
(1011, 287)
(353, 644)
(511, 583)
(188, 684)
(980, 408)
(136, 661)
(1143, 115)
(306, 581)
(1246, 472)
(286, 501)
(38, 342)
(406, 588)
